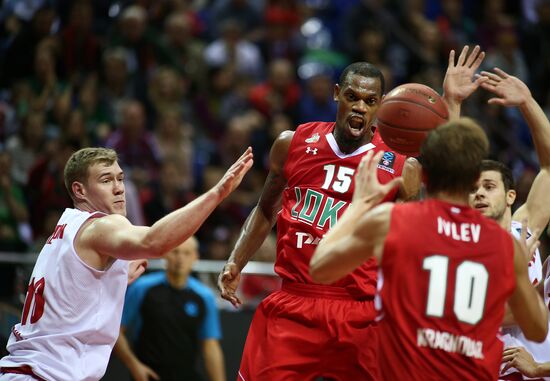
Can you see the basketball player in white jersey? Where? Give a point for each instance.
(495, 194)
(523, 357)
(71, 316)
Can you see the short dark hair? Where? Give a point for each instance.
(505, 172)
(364, 69)
(451, 156)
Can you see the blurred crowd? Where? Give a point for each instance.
(181, 87)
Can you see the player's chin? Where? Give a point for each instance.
(119, 208)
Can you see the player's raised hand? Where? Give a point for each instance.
(228, 282)
(460, 80)
(367, 187)
(509, 90)
(232, 178)
(529, 243)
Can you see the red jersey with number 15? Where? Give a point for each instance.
(320, 183)
(446, 274)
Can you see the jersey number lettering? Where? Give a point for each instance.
(470, 288)
(35, 293)
(344, 176)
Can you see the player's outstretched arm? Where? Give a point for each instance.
(260, 221)
(360, 232)
(512, 92)
(527, 306)
(460, 80)
(115, 236)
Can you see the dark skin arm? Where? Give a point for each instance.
(260, 221)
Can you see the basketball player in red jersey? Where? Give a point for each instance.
(307, 330)
(446, 270)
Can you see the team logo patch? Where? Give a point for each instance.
(191, 309)
(313, 151)
(313, 138)
(387, 161)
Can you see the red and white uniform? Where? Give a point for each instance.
(307, 330)
(447, 273)
(71, 318)
(513, 336)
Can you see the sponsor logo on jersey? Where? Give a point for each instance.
(312, 151)
(313, 138)
(387, 161)
(448, 342)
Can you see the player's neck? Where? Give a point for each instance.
(506, 220)
(451, 198)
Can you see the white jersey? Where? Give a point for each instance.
(513, 336)
(72, 312)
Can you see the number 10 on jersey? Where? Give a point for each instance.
(470, 288)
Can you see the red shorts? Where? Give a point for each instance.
(303, 332)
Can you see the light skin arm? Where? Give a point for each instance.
(459, 82)
(139, 371)
(213, 360)
(529, 311)
(512, 92)
(114, 236)
(259, 223)
(361, 231)
(412, 181)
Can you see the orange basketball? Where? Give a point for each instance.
(407, 114)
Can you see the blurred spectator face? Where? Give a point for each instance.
(280, 123)
(231, 32)
(320, 88)
(116, 70)
(281, 74)
(43, 20)
(133, 23)
(452, 9)
(169, 126)
(75, 127)
(223, 80)
(429, 35)
(82, 17)
(168, 84)
(178, 29)
(133, 120)
(507, 41)
(44, 64)
(179, 261)
(170, 176)
(371, 40)
(33, 130)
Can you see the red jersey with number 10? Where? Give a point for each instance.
(446, 273)
(320, 183)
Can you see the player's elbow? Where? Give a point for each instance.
(537, 334)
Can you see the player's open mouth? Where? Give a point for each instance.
(481, 206)
(356, 122)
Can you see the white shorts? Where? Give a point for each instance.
(16, 377)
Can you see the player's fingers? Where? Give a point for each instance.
(479, 59)
(491, 75)
(508, 365)
(398, 181)
(452, 58)
(153, 375)
(496, 101)
(501, 73)
(472, 56)
(462, 56)
(375, 160)
(523, 234)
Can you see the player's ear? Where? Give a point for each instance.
(510, 197)
(336, 92)
(78, 190)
